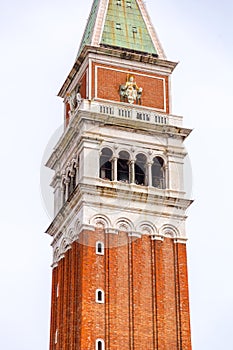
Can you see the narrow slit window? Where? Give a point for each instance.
(100, 248)
(56, 337)
(134, 29)
(99, 344)
(99, 296)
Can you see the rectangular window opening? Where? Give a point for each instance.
(100, 245)
(118, 26)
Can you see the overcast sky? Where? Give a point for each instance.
(39, 42)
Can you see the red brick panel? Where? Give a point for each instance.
(99, 281)
(146, 295)
(112, 292)
(73, 298)
(183, 294)
(65, 305)
(119, 293)
(142, 294)
(106, 82)
(166, 295)
(53, 322)
(93, 277)
(60, 322)
(78, 287)
(83, 87)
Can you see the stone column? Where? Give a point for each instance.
(77, 174)
(57, 194)
(132, 171)
(72, 180)
(166, 176)
(114, 169)
(149, 174)
(67, 181)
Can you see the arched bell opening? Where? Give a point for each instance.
(158, 173)
(123, 167)
(140, 169)
(106, 164)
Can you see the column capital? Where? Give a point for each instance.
(132, 161)
(67, 181)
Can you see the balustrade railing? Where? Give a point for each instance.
(134, 112)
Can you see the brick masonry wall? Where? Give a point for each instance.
(83, 85)
(146, 295)
(107, 80)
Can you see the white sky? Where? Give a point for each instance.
(39, 41)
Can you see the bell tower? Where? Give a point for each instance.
(119, 271)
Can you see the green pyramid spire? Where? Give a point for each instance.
(122, 24)
(87, 36)
(125, 27)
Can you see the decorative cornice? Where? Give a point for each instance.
(69, 209)
(60, 249)
(121, 53)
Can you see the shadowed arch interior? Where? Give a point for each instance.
(106, 164)
(140, 169)
(158, 173)
(123, 167)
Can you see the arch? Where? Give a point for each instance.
(124, 224)
(99, 248)
(130, 151)
(100, 221)
(108, 146)
(158, 173)
(99, 344)
(77, 227)
(140, 169)
(56, 255)
(169, 231)
(65, 245)
(147, 228)
(123, 166)
(106, 164)
(70, 235)
(99, 296)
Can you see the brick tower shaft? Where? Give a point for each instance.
(118, 234)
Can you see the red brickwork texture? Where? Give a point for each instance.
(106, 81)
(146, 295)
(83, 86)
